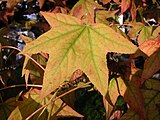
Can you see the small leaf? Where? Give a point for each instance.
(85, 10)
(116, 87)
(133, 10)
(125, 4)
(74, 46)
(102, 15)
(143, 32)
(150, 46)
(41, 2)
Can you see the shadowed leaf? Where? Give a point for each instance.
(116, 88)
(133, 95)
(151, 95)
(7, 107)
(31, 103)
(151, 65)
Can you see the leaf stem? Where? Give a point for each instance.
(11, 47)
(39, 109)
(20, 85)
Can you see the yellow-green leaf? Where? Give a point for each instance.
(116, 87)
(85, 10)
(31, 103)
(73, 46)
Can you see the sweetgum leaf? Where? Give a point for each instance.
(133, 95)
(102, 15)
(151, 95)
(125, 4)
(151, 65)
(31, 103)
(85, 10)
(113, 89)
(72, 46)
(143, 32)
(150, 46)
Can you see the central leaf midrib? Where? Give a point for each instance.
(69, 48)
(92, 55)
(54, 38)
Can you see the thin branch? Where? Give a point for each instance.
(29, 117)
(11, 47)
(20, 85)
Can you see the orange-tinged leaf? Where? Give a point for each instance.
(41, 2)
(12, 3)
(84, 10)
(133, 95)
(125, 4)
(151, 95)
(56, 20)
(151, 65)
(74, 46)
(150, 46)
(105, 1)
(133, 10)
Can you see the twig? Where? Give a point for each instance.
(39, 109)
(11, 47)
(20, 85)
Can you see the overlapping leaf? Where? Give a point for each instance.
(85, 10)
(133, 95)
(151, 94)
(31, 103)
(102, 15)
(143, 32)
(151, 65)
(116, 87)
(72, 45)
(150, 46)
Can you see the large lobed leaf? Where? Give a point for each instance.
(72, 45)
